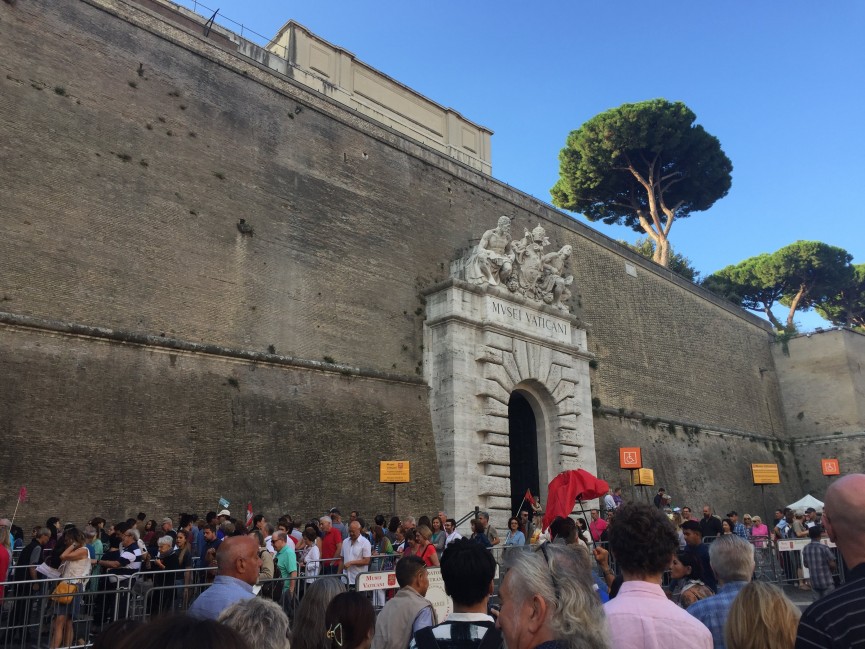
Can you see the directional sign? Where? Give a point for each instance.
(630, 458)
(644, 477)
(765, 474)
(393, 472)
(830, 466)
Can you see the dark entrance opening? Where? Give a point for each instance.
(523, 433)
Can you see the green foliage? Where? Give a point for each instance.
(846, 307)
(643, 165)
(679, 264)
(802, 275)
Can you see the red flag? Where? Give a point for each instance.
(248, 513)
(22, 494)
(529, 497)
(568, 487)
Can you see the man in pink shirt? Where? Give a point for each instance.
(597, 526)
(643, 541)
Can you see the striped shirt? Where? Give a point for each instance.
(836, 620)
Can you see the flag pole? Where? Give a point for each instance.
(16, 510)
(520, 508)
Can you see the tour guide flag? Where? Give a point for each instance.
(248, 513)
(567, 488)
(529, 497)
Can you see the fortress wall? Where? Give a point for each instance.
(122, 195)
(91, 427)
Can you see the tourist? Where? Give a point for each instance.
(451, 531)
(76, 566)
(820, 561)
(548, 601)
(336, 520)
(479, 535)
(739, 529)
(514, 535)
(694, 545)
(761, 617)
(237, 572)
(489, 530)
(710, 525)
(643, 541)
(597, 526)
(308, 630)
(688, 574)
(732, 561)
(409, 610)
(425, 549)
(727, 526)
(286, 561)
(350, 619)
(311, 558)
(183, 632)
(759, 532)
(166, 559)
(439, 536)
(331, 546)
(261, 622)
(467, 570)
(836, 619)
(357, 553)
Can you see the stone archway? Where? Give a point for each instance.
(479, 347)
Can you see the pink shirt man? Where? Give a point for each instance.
(641, 617)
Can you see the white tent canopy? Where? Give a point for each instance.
(806, 502)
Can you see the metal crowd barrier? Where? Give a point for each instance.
(28, 613)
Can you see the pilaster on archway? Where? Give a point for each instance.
(481, 344)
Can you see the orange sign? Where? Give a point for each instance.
(765, 474)
(630, 458)
(830, 466)
(393, 472)
(644, 477)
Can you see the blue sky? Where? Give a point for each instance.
(782, 86)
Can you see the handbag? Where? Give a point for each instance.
(63, 592)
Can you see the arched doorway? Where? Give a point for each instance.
(523, 443)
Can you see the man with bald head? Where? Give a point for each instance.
(237, 566)
(836, 619)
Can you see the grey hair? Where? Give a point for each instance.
(43, 531)
(89, 532)
(279, 535)
(325, 519)
(732, 558)
(166, 540)
(308, 630)
(133, 532)
(577, 618)
(261, 621)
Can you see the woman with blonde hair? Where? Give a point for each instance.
(425, 549)
(761, 617)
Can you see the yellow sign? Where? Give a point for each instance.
(644, 477)
(393, 472)
(765, 474)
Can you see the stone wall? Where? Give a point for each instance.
(93, 426)
(133, 147)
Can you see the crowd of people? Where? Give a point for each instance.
(575, 584)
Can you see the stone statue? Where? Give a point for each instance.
(521, 265)
(491, 260)
(554, 284)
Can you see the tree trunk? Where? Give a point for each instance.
(794, 305)
(775, 322)
(662, 251)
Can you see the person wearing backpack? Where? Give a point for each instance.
(467, 570)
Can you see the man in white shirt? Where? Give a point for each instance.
(356, 553)
(451, 531)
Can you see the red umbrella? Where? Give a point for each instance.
(568, 488)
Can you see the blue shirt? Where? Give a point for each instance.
(713, 611)
(224, 592)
